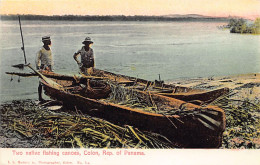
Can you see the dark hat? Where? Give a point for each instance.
(87, 40)
(46, 38)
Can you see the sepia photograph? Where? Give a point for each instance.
(106, 81)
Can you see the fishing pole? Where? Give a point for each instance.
(21, 66)
(22, 40)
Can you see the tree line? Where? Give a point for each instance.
(242, 26)
(110, 18)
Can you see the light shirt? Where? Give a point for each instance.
(44, 57)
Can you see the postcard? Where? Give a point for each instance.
(111, 82)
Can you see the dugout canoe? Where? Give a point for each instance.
(196, 96)
(186, 125)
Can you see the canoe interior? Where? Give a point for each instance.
(144, 83)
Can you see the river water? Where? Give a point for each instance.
(141, 49)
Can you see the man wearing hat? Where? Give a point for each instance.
(87, 57)
(44, 60)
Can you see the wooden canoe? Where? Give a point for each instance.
(196, 96)
(186, 125)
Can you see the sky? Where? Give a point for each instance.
(243, 8)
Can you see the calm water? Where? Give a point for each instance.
(141, 49)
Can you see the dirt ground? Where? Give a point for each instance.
(246, 86)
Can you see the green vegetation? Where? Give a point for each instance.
(241, 26)
(242, 123)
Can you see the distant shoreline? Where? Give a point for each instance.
(114, 18)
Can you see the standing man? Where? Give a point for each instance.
(87, 57)
(44, 60)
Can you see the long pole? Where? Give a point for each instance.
(22, 40)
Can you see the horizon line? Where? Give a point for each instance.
(168, 15)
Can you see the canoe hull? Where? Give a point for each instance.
(205, 97)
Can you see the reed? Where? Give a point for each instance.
(72, 130)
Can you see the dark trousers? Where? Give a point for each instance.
(40, 92)
(43, 67)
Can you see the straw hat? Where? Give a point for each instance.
(87, 40)
(46, 38)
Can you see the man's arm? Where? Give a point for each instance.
(75, 56)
